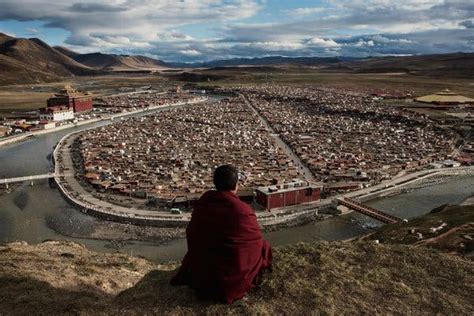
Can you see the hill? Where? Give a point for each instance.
(41, 57)
(66, 51)
(111, 62)
(327, 277)
(458, 221)
(32, 60)
(14, 71)
(265, 61)
(456, 64)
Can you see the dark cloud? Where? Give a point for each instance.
(467, 24)
(95, 7)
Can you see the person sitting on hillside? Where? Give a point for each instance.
(226, 251)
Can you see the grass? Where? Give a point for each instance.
(310, 278)
(28, 97)
(453, 216)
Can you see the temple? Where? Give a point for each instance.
(69, 97)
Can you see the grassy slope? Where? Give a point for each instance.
(459, 220)
(331, 278)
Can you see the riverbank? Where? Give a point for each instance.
(21, 137)
(66, 277)
(119, 232)
(131, 212)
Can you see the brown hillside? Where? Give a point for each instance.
(15, 72)
(41, 57)
(460, 64)
(327, 278)
(4, 38)
(111, 62)
(66, 51)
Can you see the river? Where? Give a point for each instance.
(25, 211)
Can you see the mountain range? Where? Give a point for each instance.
(34, 61)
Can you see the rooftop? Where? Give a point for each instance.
(287, 187)
(69, 91)
(445, 96)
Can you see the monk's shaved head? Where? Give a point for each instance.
(226, 178)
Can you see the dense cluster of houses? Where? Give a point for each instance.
(347, 140)
(346, 137)
(145, 99)
(175, 152)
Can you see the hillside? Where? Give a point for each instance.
(38, 55)
(456, 64)
(111, 62)
(265, 61)
(66, 51)
(459, 223)
(33, 61)
(329, 278)
(14, 71)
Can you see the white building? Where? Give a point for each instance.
(47, 125)
(56, 114)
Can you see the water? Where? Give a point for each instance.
(24, 213)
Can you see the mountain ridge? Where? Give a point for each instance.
(33, 61)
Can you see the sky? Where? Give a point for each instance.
(204, 30)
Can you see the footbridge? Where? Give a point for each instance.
(367, 210)
(28, 178)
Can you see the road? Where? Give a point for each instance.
(65, 163)
(296, 160)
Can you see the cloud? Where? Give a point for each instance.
(469, 24)
(306, 11)
(31, 30)
(320, 42)
(95, 7)
(190, 52)
(164, 28)
(362, 43)
(136, 19)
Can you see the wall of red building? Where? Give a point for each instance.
(82, 105)
(58, 102)
(79, 105)
(288, 198)
(261, 199)
(275, 200)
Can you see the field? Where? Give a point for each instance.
(392, 81)
(31, 97)
(34, 96)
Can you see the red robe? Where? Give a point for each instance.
(226, 250)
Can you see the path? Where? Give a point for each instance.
(281, 143)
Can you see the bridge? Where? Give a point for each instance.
(27, 178)
(367, 210)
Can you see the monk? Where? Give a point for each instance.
(226, 251)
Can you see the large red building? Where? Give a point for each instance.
(69, 97)
(288, 194)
